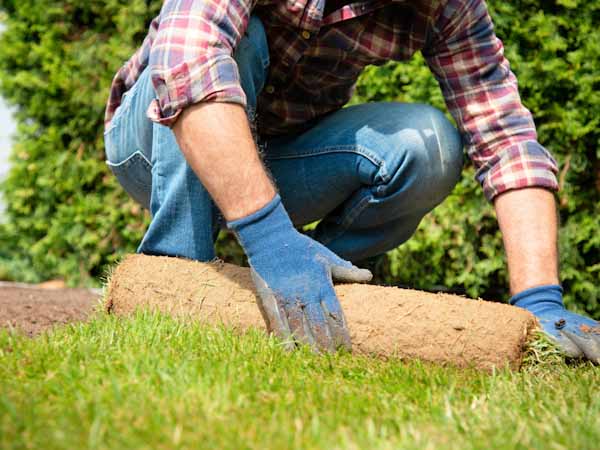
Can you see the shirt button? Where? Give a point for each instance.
(306, 34)
(270, 89)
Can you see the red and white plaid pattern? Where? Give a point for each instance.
(316, 60)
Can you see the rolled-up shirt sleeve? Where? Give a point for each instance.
(191, 59)
(482, 95)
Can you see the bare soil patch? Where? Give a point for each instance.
(34, 310)
(384, 321)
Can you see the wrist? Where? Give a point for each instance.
(526, 281)
(253, 201)
(256, 231)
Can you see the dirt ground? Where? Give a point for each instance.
(33, 310)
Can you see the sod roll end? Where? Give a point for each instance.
(383, 321)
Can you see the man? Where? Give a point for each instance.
(215, 79)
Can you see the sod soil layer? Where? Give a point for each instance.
(383, 321)
(32, 310)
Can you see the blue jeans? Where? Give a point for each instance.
(368, 172)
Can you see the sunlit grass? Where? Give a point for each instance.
(153, 382)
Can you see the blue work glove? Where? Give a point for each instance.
(293, 276)
(576, 335)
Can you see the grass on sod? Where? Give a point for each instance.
(153, 382)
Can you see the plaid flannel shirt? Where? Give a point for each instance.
(315, 62)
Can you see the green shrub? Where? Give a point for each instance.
(67, 216)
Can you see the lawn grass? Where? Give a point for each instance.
(153, 382)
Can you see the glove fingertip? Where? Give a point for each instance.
(364, 275)
(589, 346)
(318, 325)
(275, 319)
(336, 320)
(351, 274)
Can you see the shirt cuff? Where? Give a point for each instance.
(216, 79)
(522, 165)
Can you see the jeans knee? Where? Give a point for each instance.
(438, 158)
(449, 144)
(428, 163)
(252, 58)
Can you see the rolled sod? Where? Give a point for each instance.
(383, 321)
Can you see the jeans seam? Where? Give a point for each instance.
(356, 211)
(133, 180)
(363, 151)
(349, 218)
(158, 181)
(128, 159)
(123, 108)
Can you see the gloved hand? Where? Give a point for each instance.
(293, 276)
(576, 335)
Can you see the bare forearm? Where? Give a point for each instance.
(216, 141)
(528, 222)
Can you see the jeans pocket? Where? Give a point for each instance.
(135, 176)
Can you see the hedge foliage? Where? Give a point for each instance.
(67, 217)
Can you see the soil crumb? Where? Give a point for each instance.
(32, 310)
(588, 329)
(383, 321)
